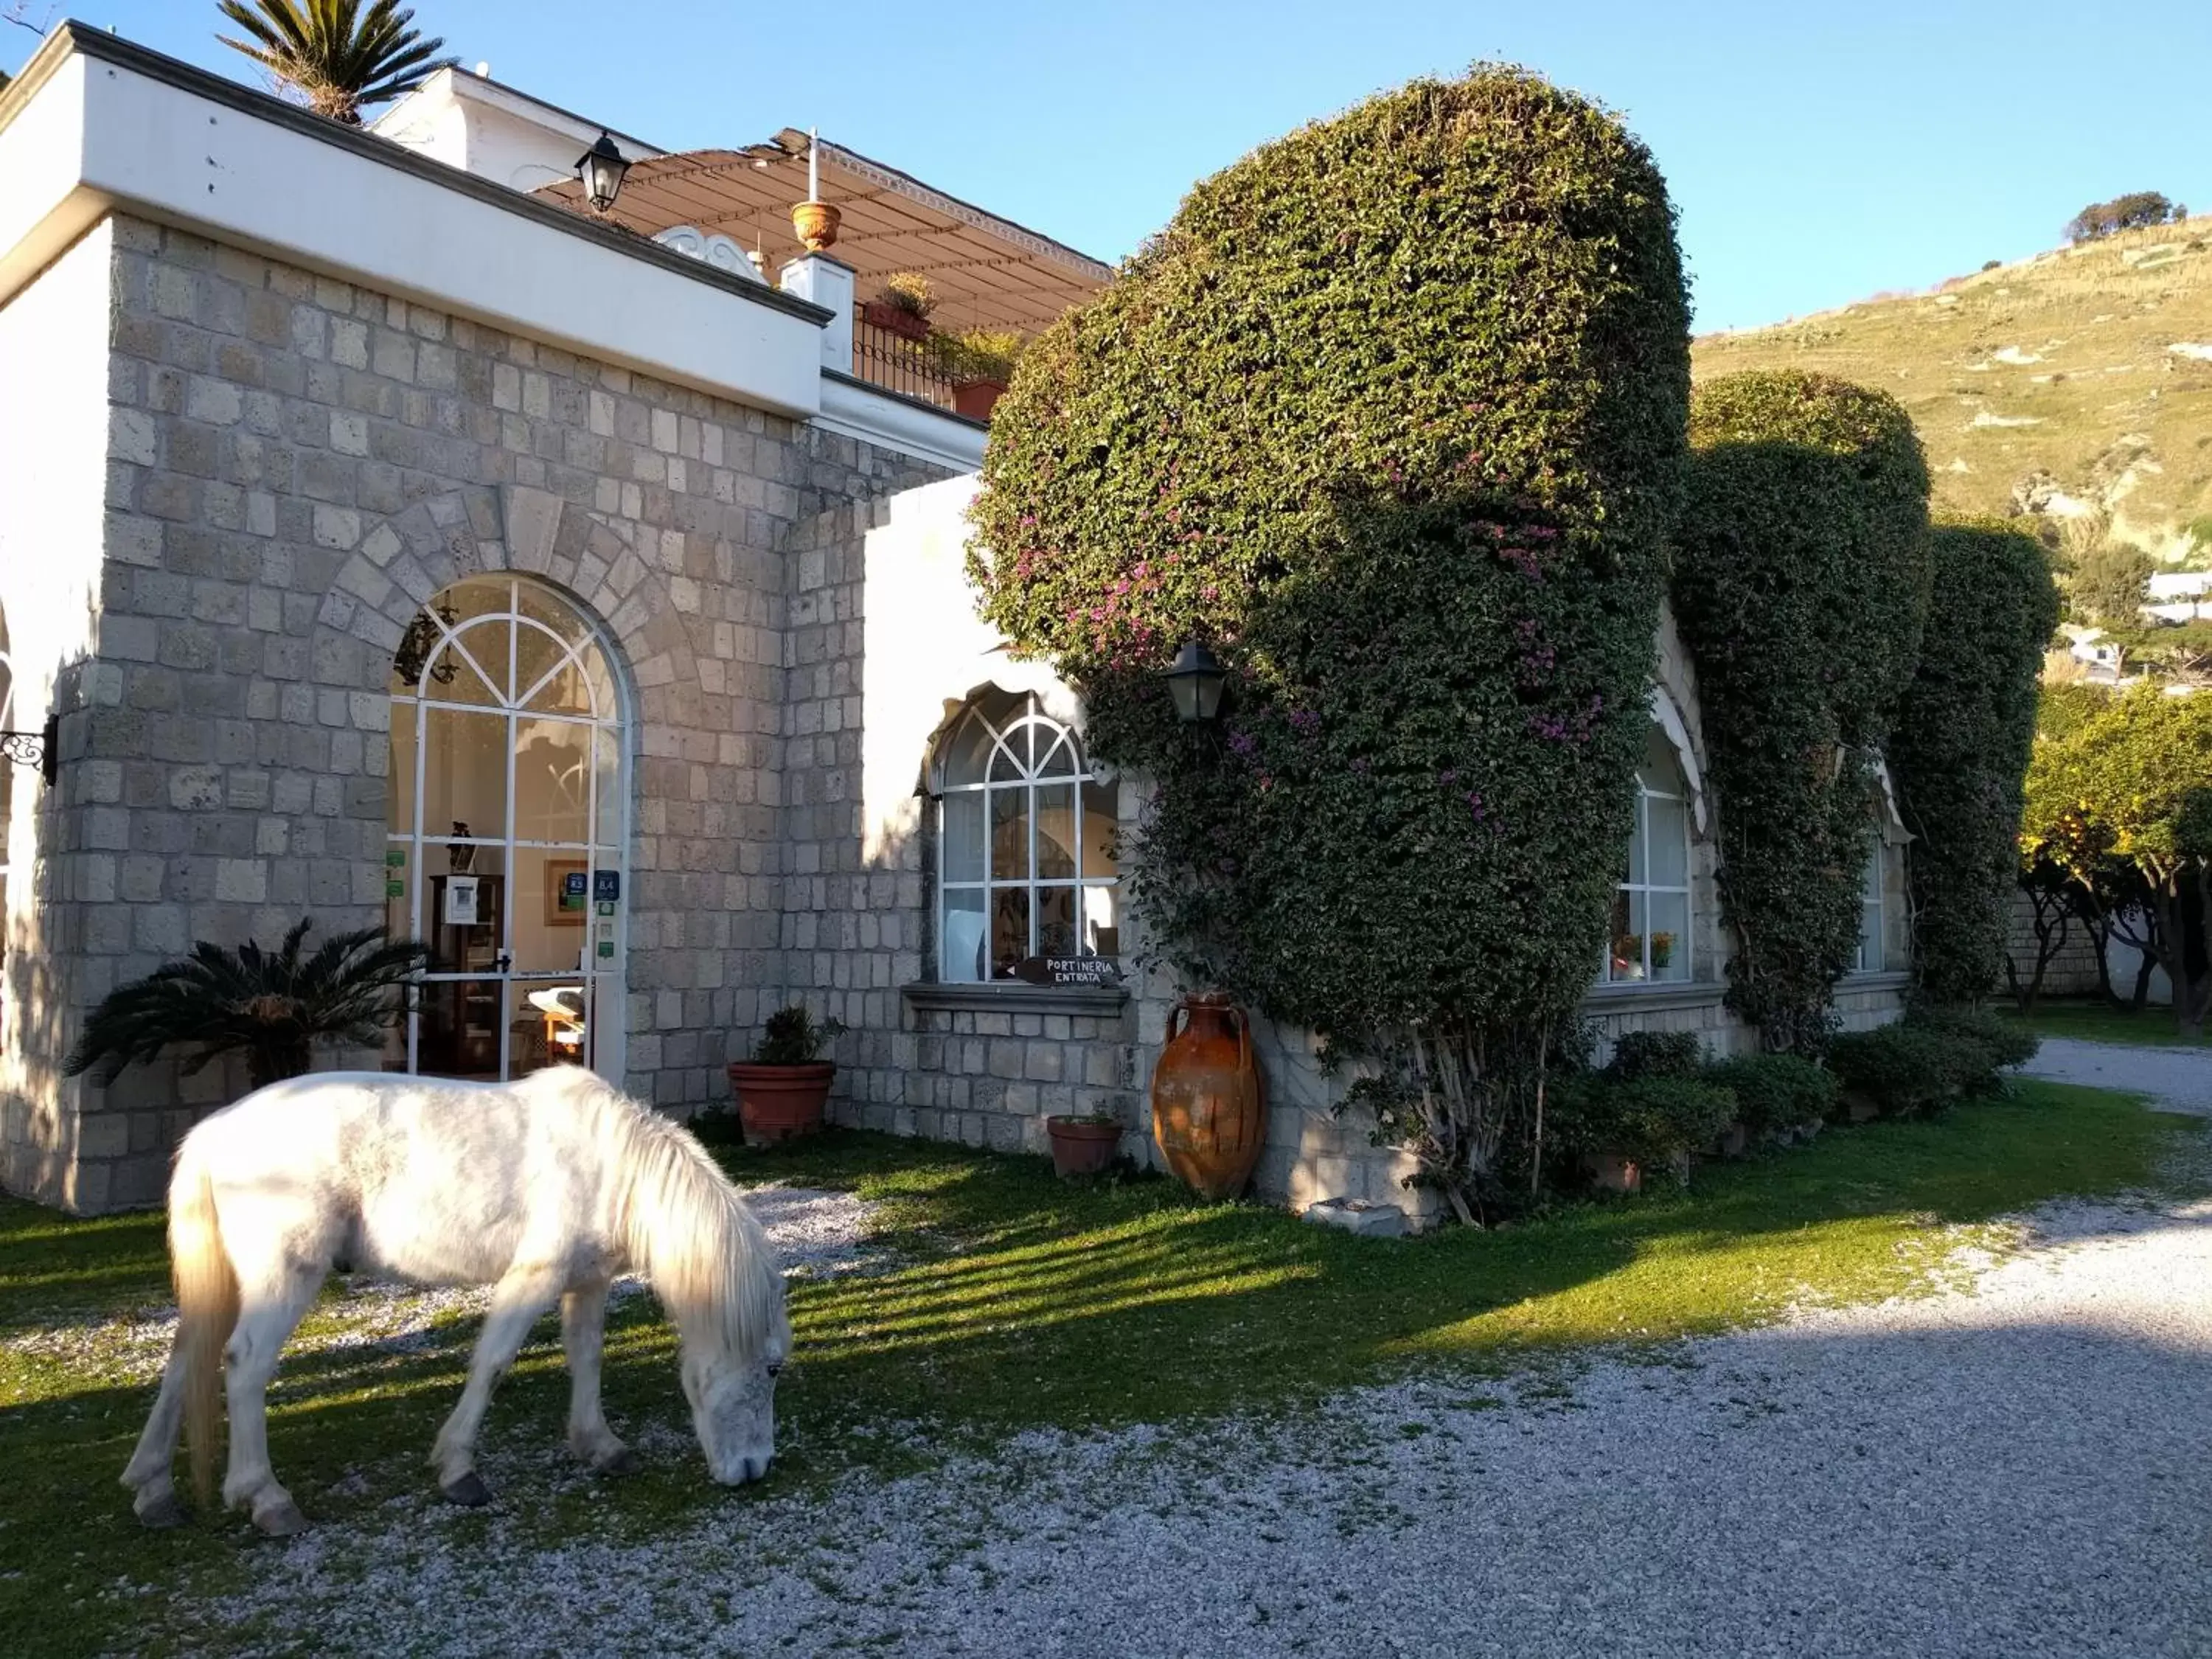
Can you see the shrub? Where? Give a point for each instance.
(1801, 586)
(1899, 1069)
(1983, 1044)
(1960, 747)
(1656, 1054)
(793, 1037)
(1391, 414)
(1655, 1120)
(1776, 1091)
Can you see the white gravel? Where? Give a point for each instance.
(2180, 1078)
(2017, 1466)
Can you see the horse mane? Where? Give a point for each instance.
(681, 1219)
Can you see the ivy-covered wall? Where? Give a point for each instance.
(1802, 587)
(1960, 749)
(1393, 414)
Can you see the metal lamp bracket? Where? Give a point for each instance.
(41, 748)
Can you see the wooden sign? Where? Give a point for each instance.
(1068, 970)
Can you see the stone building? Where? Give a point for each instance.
(384, 537)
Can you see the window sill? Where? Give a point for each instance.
(1886, 979)
(1095, 1001)
(1690, 993)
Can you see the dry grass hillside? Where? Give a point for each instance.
(2078, 380)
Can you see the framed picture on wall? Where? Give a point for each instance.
(568, 892)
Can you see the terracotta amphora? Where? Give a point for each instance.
(1209, 1111)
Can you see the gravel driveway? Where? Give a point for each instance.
(2020, 1466)
(2181, 1078)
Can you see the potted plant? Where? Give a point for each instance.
(273, 1006)
(980, 363)
(902, 306)
(781, 1089)
(1662, 951)
(1082, 1144)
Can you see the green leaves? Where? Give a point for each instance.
(270, 1004)
(1801, 586)
(1393, 415)
(1960, 749)
(337, 55)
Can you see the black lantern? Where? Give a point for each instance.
(1196, 681)
(602, 168)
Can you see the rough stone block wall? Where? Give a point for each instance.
(294, 465)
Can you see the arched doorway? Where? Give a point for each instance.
(509, 831)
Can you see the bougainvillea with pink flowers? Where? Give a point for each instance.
(1393, 415)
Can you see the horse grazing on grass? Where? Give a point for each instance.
(545, 1189)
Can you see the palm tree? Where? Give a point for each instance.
(269, 1005)
(335, 53)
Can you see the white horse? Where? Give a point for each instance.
(546, 1189)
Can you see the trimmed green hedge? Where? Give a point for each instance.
(1393, 413)
(1801, 590)
(1776, 1091)
(1960, 747)
(1921, 1063)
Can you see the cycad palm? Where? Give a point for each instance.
(270, 1004)
(338, 54)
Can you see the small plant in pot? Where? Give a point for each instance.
(1084, 1144)
(980, 364)
(902, 306)
(783, 1089)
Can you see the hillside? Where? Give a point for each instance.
(2081, 379)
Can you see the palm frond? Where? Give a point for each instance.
(334, 54)
(268, 1005)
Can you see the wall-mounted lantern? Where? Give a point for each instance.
(602, 168)
(1195, 682)
(41, 749)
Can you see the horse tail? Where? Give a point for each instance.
(207, 1310)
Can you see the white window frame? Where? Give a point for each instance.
(604, 980)
(1684, 947)
(1027, 715)
(1873, 891)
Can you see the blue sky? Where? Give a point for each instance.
(1818, 154)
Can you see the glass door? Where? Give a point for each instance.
(507, 834)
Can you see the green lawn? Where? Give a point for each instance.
(1020, 1302)
(2098, 1021)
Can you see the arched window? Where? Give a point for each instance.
(1872, 955)
(1025, 863)
(1652, 912)
(508, 828)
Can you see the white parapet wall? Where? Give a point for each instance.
(96, 125)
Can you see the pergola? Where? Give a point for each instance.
(986, 271)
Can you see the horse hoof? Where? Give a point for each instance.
(284, 1520)
(469, 1492)
(163, 1513)
(624, 1462)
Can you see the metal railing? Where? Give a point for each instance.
(898, 364)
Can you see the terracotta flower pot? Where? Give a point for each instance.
(776, 1102)
(1081, 1145)
(895, 319)
(815, 224)
(1209, 1107)
(977, 398)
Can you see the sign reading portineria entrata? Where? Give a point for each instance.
(1068, 970)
